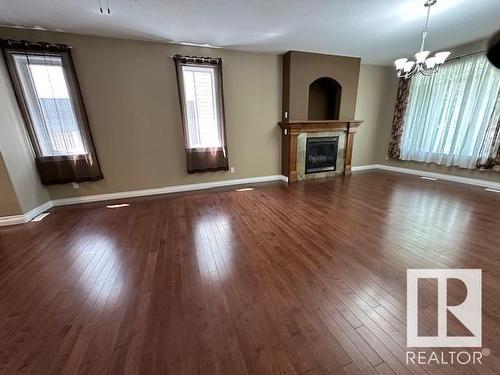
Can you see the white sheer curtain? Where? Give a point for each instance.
(449, 113)
(51, 104)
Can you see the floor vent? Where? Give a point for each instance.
(118, 205)
(492, 190)
(40, 217)
(245, 189)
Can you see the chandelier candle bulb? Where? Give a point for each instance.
(441, 57)
(408, 66)
(421, 56)
(400, 63)
(430, 62)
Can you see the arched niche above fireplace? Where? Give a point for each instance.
(324, 99)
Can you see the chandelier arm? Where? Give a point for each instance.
(412, 71)
(431, 71)
(422, 69)
(427, 72)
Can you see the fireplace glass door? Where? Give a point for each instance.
(321, 154)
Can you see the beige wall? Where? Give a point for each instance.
(9, 205)
(130, 92)
(17, 155)
(463, 49)
(385, 132)
(374, 105)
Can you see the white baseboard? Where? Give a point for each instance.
(439, 176)
(26, 217)
(12, 220)
(364, 167)
(165, 190)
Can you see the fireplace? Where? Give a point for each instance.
(321, 154)
(318, 106)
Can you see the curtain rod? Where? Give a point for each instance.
(197, 59)
(467, 54)
(33, 46)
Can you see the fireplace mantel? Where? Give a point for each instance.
(319, 126)
(291, 131)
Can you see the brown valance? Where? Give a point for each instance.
(50, 101)
(24, 45)
(202, 156)
(197, 60)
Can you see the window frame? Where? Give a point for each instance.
(218, 94)
(215, 91)
(54, 169)
(209, 158)
(22, 68)
(74, 96)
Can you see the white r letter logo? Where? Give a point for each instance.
(468, 313)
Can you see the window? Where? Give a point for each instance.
(49, 98)
(200, 91)
(201, 106)
(449, 113)
(49, 104)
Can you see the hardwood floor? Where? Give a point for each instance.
(306, 279)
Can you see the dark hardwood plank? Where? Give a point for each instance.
(302, 279)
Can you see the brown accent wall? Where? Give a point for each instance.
(300, 69)
(324, 99)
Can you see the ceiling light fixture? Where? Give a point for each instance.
(192, 44)
(101, 10)
(426, 65)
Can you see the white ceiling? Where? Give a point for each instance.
(375, 30)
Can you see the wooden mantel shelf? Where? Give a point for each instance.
(292, 129)
(319, 125)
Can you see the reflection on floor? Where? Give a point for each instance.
(302, 279)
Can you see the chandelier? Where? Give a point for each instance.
(426, 65)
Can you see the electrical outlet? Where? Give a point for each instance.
(286, 114)
(231, 169)
(75, 185)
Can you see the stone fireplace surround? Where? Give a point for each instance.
(294, 152)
